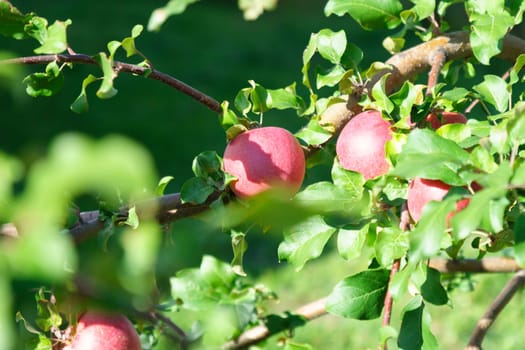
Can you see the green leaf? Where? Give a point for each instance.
(380, 96)
(45, 84)
(485, 6)
(425, 239)
(195, 190)
(391, 243)
(239, 247)
(327, 198)
(370, 14)
(313, 133)
(352, 56)
(133, 218)
(128, 43)
(55, 38)
(286, 98)
(261, 100)
(487, 31)
(516, 125)
(227, 118)
(480, 206)
(161, 186)
(518, 65)
(48, 316)
(423, 8)
(331, 45)
(329, 77)
(359, 296)
(393, 44)
(305, 241)
(432, 290)
(494, 90)
(206, 164)
(12, 21)
(350, 242)
(81, 105)
(212, 283)
(430, 156)
(36, 28)
(408, 96)
(160, 15)
(415, 332)
(351, 181)
(252, 9)
(106, 89)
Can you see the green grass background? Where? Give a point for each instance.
(213, 49)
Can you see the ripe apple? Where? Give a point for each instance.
(438, 119)
(421, 191)
(97, 330)
(263, 159)
(361, 144)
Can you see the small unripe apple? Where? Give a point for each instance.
(422, 191)
(262, 159)
(438, 119)
(97, 330)
(361, 144)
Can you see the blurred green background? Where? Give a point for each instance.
(212, 48)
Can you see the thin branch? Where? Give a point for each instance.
(404, 225)
(389, 301)
(317, 308)
(124, 67)
(487, 265)
(167, 208)
(254, 335)
(495, 309)
(437, 60)
(176, 334)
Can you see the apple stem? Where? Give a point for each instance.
(494, 309)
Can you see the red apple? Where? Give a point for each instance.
(361, 144)
(422, 191)
(265, 158)
(438, 119)
(97, 330)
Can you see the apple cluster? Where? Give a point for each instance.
(361, 148)
(270, 158)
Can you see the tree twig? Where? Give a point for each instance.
(437, 60)
(495, 309)
(317, 308)
(179, 336)
(487, 265)
(254, 335)
(118, 66)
